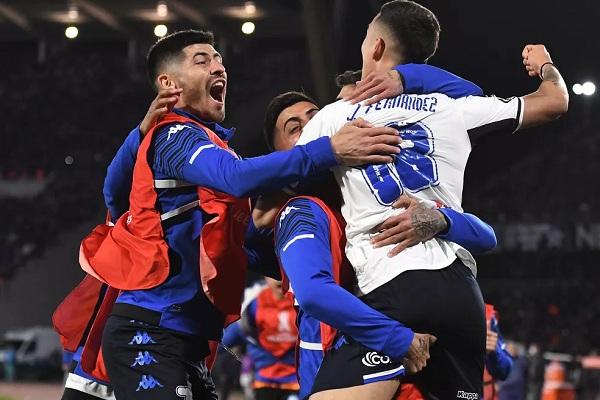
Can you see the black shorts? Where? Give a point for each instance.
(446, 303)
(351, 364)
(275, 394)
(149, 362)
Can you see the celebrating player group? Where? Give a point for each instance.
(359, 204)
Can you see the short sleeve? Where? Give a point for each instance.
(491, 115)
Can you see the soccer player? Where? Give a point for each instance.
(269, 331)
(305, 253)
(430, 287)
(156, 338)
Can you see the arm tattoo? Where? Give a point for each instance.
(551, 74)
(427, 222)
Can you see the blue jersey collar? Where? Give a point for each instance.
(224, 133)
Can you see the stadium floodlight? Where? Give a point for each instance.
(578, 89)
(588, 88)
(71, 32)
(160, 30)
(250, 7)
(162, 10)
(248, 27)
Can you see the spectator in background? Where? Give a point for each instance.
(515, 385)
(268, 329)
(535, 372)
(498, 362)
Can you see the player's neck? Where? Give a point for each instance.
(388, 63)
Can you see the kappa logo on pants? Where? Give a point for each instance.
(141, 337)
(148, 382)
(144, 358)
(372, 359)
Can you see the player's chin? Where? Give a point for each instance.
(217, 112)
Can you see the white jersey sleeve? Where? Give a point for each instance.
(484, 116)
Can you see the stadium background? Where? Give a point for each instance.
(67, 104)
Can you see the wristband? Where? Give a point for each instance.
(542, 68)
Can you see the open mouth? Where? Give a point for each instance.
(217, 91)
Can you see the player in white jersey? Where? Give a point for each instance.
(427, 287)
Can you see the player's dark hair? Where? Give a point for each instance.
(170, 48)
(275, 107)
(348, 78)
(415, 27)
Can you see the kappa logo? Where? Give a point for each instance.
(141, 337)
(461, 394)
(285, 213)
(175, 129)
(144, 358)
(148, 382)
(372, 359)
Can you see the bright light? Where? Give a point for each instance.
(71, 32)
(578, 89)
(69, 160)
(250, 8)
(588, 88)
(160, 30)
(161, 9)
(248, 27)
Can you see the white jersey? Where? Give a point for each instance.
(436, 132)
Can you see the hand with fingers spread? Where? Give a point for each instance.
(359, 143)
(162, 104)
(418, 223)
(418, 353)
(534, 57)
(377, 86)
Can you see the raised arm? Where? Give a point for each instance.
(117, 183)
(191, 156)
(551, 99)
(411, 79)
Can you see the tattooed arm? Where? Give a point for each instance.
(420, 223)
(551, 100)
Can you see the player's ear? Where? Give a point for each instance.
(378, 49)
(164, 81)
